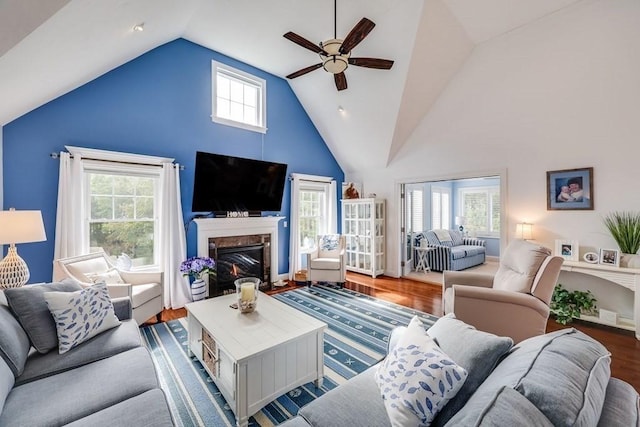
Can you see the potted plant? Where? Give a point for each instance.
(567, 305)
(196, 268)
(625, 230)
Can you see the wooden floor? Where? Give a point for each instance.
(624, 347)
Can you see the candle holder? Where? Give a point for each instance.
(247, 293)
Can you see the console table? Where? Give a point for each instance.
(626, 277)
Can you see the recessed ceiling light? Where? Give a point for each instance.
(139, 28)
(340, 109)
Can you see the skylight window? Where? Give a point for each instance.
(239, 98)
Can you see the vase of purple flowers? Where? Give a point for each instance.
(196, 268)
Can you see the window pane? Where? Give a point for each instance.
(236, 112)
(224, 108)
(446, 211)
(123, 185)
(101, 207)
(250, 96)
(435, 211)
(100, 184)
(222, 88)
(123, 207)
(250, 115)
(237, 91)
(495, 212)
(476, 211)
(144, 208)
(144, 187)
(133, 238)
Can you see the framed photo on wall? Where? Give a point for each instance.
(568, 249)
(610, 257)
(570, 189)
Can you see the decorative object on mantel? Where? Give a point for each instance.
(567, 305)
(351, 190)
(610, 257)
(591, 257)
(568, 249)
(570, 189)
(625, 230)
(196, 268)
(247, 293)
(18, 227)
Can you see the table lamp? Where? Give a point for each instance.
(524, 231)
(18, 227)
(460, 221)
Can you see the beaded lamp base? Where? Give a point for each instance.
(13, 270)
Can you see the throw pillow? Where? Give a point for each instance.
(110, 277)
(476, 351)
(81, 315)
(329, 242)
(417, 379)
(30, 308)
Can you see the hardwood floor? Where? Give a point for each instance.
(624, 347)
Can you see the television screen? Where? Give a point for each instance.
(226, 183)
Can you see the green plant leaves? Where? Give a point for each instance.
(567, 305)
(625, 230)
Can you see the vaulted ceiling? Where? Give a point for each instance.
(50, 47)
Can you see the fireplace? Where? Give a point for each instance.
(238, 241)
(237, 257)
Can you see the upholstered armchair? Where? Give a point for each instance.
(327, 262)
(515, 301)
(145, 289)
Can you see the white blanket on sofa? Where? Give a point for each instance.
(443, 235)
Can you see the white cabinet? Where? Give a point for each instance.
(363, 225)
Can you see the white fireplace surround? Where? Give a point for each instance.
(228, 227)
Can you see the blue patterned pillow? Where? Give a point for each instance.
(417, 379)
(329, 242)
(81, 315)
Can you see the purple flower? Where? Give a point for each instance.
(196, 267)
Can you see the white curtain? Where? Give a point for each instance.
(295, 262)
(70, 230)
(173, 245)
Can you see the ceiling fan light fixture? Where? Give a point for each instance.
(335, 62)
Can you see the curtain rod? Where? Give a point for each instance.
(57, 156)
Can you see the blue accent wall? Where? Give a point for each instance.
(157, 104)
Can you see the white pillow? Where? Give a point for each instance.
(81, 315)
(417, 379)
(110, 277)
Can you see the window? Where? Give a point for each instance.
(481, 209)
(417, 216)
(121, 210)
(239, 99)
(313, 213)
(440, 208)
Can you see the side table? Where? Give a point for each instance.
(423, 260)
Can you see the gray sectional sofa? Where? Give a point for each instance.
(109, 380)
(558, 379)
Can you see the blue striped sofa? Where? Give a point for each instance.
(452, 251)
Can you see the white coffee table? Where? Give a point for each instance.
(255, 357)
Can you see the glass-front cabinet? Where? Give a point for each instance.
(364, 230)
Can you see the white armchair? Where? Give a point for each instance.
(327, 262)
(145, 289)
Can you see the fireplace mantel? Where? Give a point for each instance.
(225, 227)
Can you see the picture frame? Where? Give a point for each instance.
(351, 190)
(591, 257)
(609, 257)
(568, 249)
(570, 189)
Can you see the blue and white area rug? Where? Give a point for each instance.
(356, 338)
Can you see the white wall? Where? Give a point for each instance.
(560, 93)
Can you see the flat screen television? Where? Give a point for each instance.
(225, 183)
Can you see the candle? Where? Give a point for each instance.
(247, 292)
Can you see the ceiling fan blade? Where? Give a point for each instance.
(304, 71)
(381, 64)
(341, 81)
(299, 40)
(357, 34)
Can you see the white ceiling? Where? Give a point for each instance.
(51, 47)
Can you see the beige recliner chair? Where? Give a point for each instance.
(514, 302)
(327, 263)
(145, 289)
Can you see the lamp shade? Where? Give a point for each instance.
(524, 231)
(460, 220)
(21, 227)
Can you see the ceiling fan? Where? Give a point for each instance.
(335, 53)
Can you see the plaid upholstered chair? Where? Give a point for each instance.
(515, 301)
(327, 262)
